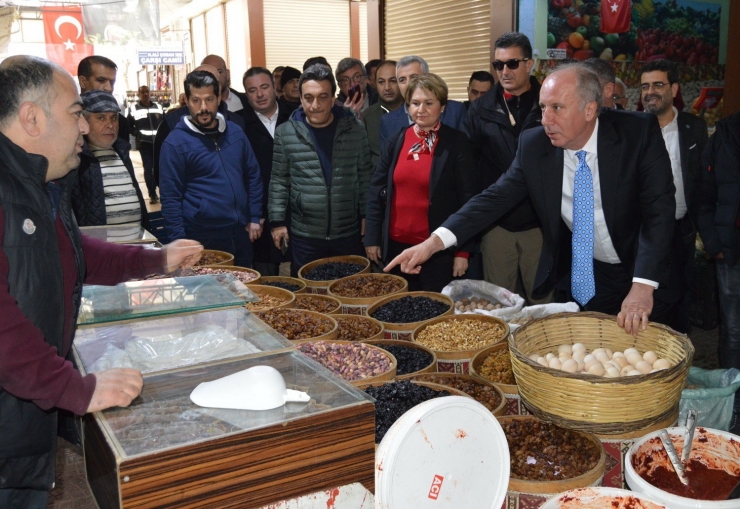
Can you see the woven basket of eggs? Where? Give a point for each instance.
(582, 371)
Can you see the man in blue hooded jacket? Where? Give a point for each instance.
(210, 179)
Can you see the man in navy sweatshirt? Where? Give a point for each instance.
(210, 179)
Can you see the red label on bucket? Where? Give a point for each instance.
(436, 487)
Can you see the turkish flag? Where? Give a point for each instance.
(65, 43)
(615, 16)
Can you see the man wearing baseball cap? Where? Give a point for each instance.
(106, 191)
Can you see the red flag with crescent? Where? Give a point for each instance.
(65, 38)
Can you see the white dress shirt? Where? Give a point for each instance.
(670, 136)
(233, 102)
(603, 246)
(269, 122)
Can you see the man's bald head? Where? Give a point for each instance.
(25, 78)
(207, 68)
(222, 73)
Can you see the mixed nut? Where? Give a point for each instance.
(210, 259)
(242, 275)
(458, 334)
(367, 286)
(351, 361)
(353, 328)
(541, 451)
(318, 303)
(296, 324)
(267, 301)
(497, 368)
(333, 270)
(410, 309)
(473, 303)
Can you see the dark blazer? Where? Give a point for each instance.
(692, 139)
(452, 183)
(398, 120)
(637, 192)
(262, 143)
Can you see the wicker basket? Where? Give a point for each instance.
(359, 305)
(440, 378)
(431, 368)
(458, 361)
(224, 258)
(591, 403)
(381, 378)
(336, 305)
(313, 286)
(378, 335)
(260, 290)
(284, 279)
(404, 331)
(234, 268)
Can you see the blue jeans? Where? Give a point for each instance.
(236, 242)
(728, 284)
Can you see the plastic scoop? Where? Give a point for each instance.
(257, 388)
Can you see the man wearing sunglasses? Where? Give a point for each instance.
(601, 184)
(685, 137)
(494, 122)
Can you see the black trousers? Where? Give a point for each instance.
(305, 250)
(436, 273)
(23, 499)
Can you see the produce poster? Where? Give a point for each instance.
(686, 31)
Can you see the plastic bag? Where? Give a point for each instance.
(467, 288)
(714, 399)
(541, 311)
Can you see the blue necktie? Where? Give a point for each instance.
(582, 284)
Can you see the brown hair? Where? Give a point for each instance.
(429, 82)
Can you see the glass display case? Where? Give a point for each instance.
(120, 234)
(164, 450)
(166, 343)
(157, 297)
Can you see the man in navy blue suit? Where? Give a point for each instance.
(391, 124)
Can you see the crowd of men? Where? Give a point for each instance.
(577, 201)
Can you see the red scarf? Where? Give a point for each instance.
(426, 140)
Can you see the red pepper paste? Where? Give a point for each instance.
(704, 483)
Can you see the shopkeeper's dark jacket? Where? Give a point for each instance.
(88, 192)
(43, 263)
(451, 184)
(495, 141)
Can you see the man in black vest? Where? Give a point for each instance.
(44, 260)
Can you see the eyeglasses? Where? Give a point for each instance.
(657, 85)
(617, 97)
(512, 64)
(357, 78)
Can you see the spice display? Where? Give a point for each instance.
(242, 275)
(451, 335)
(316, 303)
(408, 358)
(541, 451)
(267, 302)
(333, 270)
(351, 361)
(497, 368)
(367, 286)
(396, 398)
(354, 328)
(280, 284)
(602, 361)
(210, 259)
(296, 324)
(473, 303)
(482, 393)
(410, 309)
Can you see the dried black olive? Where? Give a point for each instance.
(410, 309)
(409, 359)
(284, 286)
(333, 270)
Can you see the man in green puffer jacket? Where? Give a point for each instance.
(321, 171)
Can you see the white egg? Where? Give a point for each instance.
(598, 351)
(629, 351)
(621, 361)
(611, 372)
(655, 370)
(590, 357)
(614, 364)
(565, 349)
(662, 364)
(563, 355)
(634, 358)
(643, 367)
(581, 365)
(650, 357)
(579, 347)
(550, 356)
(579, 355)
(534, 357)
(625, 370)
(555, 363)
(602, 357)
(594, 362)
(618, 354)
(635, 372)
(570, 366)
(597, 369)
(609, 352)
(542, 361)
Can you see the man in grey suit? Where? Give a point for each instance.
(601, 184)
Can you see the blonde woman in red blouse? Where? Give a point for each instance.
(425, 174)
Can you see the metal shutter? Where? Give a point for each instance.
(216, 32)
(236, 43)
(363, 31)
(453, 36)
(198, 38)
(298, 29)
